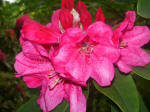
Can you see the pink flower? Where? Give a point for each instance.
(99, 15)
(2, 55)
(10, 33)
(34, 64)
(20, 21)
(35, 32)
(68, 16)
(129, 39)
(82, 55)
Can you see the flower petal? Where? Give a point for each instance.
(49, 99)
(100, 15)
(134, 56)
(33, 81)
(123, 67)
(138, 36)
(85, 16)
(100, 32)
(56, 19)
(20, 21)
(72, 36)
(103, 71)
(76, 98)
(128, 22)
(109, 52)
(66, 18)
(67, 4)
(43, 35)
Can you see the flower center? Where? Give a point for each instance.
(54, 79)
(86, 48)
(123, 45)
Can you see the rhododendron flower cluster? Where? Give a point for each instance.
(61, 56)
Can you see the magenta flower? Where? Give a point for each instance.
(35, 32)
(20, 21)
(2, 55)
(34, 64)
(10, 33)
(82, 55)
(129, 39)
(68, 16)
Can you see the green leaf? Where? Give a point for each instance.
(63, 107)
(143, 107)
(30, 106)
(122, 92)
(143, 8)
(114, 108)
(143, 72)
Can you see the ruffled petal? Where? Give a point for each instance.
(85, 16)
(33, 60)
(109, 52)
(72, 36)
(20, 21)
(62, 56)
(33, 81)
(50, 98)
(103, 71)
(123, 67)
(100, 15)
(138, 36)
(134, 56)
(100, 32)
(76, 98)
(128, 22)
(43, 35)
(79, 68)
(56, 19)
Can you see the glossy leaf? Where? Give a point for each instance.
(122, 92)
(30, 106)
(63, 107)
(143, 8)
(114, 108)
(143, 72)
(143, 107)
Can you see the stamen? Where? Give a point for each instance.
(123, 45)
(76, 17)
(57, 81)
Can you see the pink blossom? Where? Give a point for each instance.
(83, 55)
(2, 55)
(10, 33)
(20, 21)
(99, 15)
(129, 39)
(34, 64)
(38, 33)
(68, 16)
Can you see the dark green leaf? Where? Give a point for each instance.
(122, 92)
(63, 107)
(114, 108)
(143, 8)
(30, 106)
(143, 107)
(143, 71)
